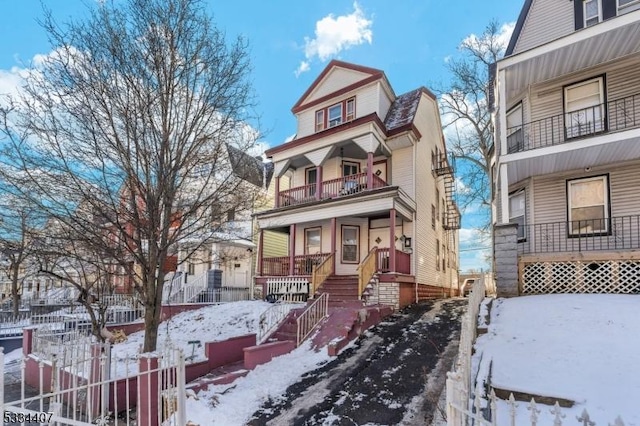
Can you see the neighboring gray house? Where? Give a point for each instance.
(566, 167)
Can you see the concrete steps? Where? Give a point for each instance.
(341, 288)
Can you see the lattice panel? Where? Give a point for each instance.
(606, 276)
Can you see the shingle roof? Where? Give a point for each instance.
(249, 168)
(403, 110)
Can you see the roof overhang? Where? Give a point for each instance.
(586, 48)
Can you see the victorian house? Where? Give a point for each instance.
(363, 195)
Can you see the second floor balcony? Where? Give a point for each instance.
(330, 189)
(612, 116)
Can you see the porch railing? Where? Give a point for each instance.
(271, 319)
(302, 264)
(367, 269)
(403, 261)
(311, 317)
(321, 273)
(612, 116)
(616, 233)
(332, 188)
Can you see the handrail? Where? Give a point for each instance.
(367, 268)
(190, 290)
(320, 273)
(271, 319)
(311, 317)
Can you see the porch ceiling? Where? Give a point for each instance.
(347, 149)
(581, 154)
(607, 41)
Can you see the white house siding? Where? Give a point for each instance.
(402, 165)
(426, 238)
(551, 199)
(622, 78)
(367, 101)
(547, 20)
(335, 80)
(341, 268)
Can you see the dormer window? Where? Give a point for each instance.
(336, 114)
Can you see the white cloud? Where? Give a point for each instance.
(333, 34)
(502, 38)
(303, 67)
(470, 237)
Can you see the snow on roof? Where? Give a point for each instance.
(403, 110)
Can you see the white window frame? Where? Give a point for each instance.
(319, 120)
(515, 112)
(307, 246)
(357, 243)
(605, 187)
(575, 115)
(335, 121)
(514, 218)
(587, 19)
(350, 113)
(628, 4)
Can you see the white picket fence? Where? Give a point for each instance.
(288, 289)
(78, 387)
(467, 405)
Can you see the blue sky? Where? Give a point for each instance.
(291, 42)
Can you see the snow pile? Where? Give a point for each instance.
(209, 324)
(234, 404)
(578, 347)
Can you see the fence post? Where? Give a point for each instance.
(94, 385)
(27, 340)
(181, 391)
(148, 388)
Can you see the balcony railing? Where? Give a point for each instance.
(302, 264)
(403, 261)
(612, 116)
(617, 233)
(333, 188)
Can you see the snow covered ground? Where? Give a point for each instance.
(209, 324)
(234, 404)
(583, 348)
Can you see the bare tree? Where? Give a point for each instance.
(16, 236)
(467, 115)
(121, 135)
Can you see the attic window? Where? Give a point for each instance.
(336, 114)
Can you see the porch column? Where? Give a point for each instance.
(392, 240)
(369, 170)
(292, 247)
(318, 183)
(333, 241)
(260, 254)
(504, 194)
(277, 203)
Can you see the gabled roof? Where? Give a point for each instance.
(373, 75)
(250, 169)
(403, 110)
(518, 28)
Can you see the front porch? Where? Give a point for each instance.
(340, 256)
(587, 256)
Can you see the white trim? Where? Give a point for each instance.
(605, 196)
(624, 6)
(570, 146)
(502, 110)
(504, 194)
(584, 13)
(587, 33)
